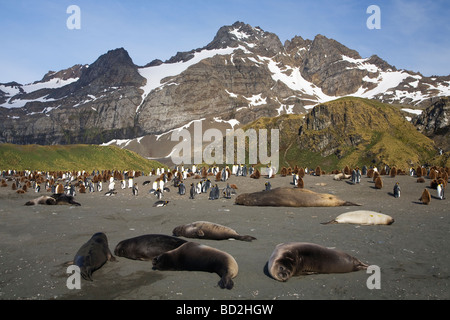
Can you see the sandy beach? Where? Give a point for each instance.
(412, 253)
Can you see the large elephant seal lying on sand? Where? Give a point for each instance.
(291, 197)
(147, 247)
(55, 199)
(209, 230)
(297, 258)
(93, 255)
(193, 256)
(363, 217)
(41, 200)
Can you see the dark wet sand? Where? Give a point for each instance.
(412, 253)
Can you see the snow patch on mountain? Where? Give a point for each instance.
(12, 91)
(295, 81)
(232, 122)
(256, 100)
(155, 74)
(386, 81)
(51, 84)
(361, 64)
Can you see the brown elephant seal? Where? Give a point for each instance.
(193, 256)
(93, 255)
(291, 197)
(363, 217)
(209, 230)
(297, 258)
(41, 200)
(147, 247)
(65, 199)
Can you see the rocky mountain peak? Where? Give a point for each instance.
(66, 74)
(113, 69)
(252, 38)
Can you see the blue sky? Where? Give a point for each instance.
(414, 34)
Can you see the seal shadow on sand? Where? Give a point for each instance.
(266, 270)
(108, 284)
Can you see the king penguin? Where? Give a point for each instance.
(397, 190)
(135, 189)
(294, 179)
(158, 193)
(192, 192)
(161, 203)
(440, 191)
(227, 192)
(111, 185)
(269, 172)
(181, 188)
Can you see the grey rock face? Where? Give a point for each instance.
(434, 122)
(258, 76)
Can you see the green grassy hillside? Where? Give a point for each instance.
(72, 157)
(349, 131)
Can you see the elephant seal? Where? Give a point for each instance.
(291, 197)
(341, 176)
(146, 247)
(62, 198)
(93, 255)
(193, 256)
(209, 230)
(41, 200)
(363, 217)
(298, 258)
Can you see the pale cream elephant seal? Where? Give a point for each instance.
(363, 217)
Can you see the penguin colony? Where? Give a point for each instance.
(64, 186)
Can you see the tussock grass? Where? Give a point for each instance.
(72, 157)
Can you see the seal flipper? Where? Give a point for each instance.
(330, 222)
(349, 204)
(82, 262)
(245, 238)
(86, 273)
(226, 282)
(200, 233)
(111, 258)
(360, 265)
